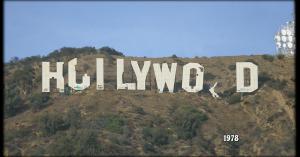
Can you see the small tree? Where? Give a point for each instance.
(111, 51)
(174, 56)
(87, 143)
(50, 123)
(235, 98)
(231, 67)
(13, 103)
(140, 110)
(14, 59)
(73, 117)
(268, 57)
(187, 120)
(156, 136)
(67, 90)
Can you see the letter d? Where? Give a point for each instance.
(240, 66)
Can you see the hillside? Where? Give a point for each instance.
(122, 122)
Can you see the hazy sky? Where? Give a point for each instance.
(152, 29)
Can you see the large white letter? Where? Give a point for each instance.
(100, 71)
(186, 77)
(240, 87)
(164, 76)
(120, 70)
(141, 74)
(72, 77)
(47, 75)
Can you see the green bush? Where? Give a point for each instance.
(71, 52)
(263, 78)
(157, 120)
(252, 61)
(179, 61)
(140, 110)
(174, 56)
(113, 123)
(205, 90)
(63, 145)
(87, 143)
(235, 98)
(187, 120)
(12, 150)
(24, 77)
(120, 140)
(148, 148)
(231, 67)
(234, 149)
(50, 123)
(30, 60)
(73, 117)
(13, 60)
(67, 90)
(268, 57)
(39, 101)
(12, 105)
(38, 151)
(229, 92)
(111, 51)
(76, 142)
(277, 84)
(290, 93)
(156, 136)
(15, 134)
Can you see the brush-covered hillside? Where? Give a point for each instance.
(122, 122)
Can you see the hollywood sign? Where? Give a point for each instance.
(163, 75)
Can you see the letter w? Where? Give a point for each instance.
(165, 76)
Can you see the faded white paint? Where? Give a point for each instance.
(100, 74)
(47, 75)
(240, 85)
(120, 71)
(141, 74)
(72, 77)
(186, 77)
(165, 76)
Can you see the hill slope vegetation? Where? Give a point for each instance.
(122, 122)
